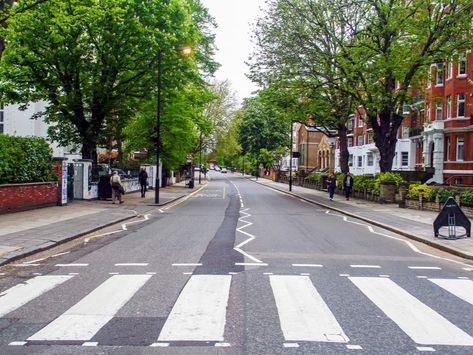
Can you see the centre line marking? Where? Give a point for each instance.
(307, 265)
(251, 264)
(366, 266)
(187, 264)
(132, 264)
(65, 265)
(424, 268)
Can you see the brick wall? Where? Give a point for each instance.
(20, 197)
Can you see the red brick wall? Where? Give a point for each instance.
(20, 197)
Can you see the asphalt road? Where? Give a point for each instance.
(238, 269)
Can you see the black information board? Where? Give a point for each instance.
(452, 216)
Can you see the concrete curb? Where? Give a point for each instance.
(412, 236)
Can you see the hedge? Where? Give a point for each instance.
(25, 159)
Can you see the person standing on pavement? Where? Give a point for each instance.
(117, 188)
(347, 185)
(143, 178)
(332, 183)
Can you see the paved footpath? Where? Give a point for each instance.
(414, 224)
(24, 233)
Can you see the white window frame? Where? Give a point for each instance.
(359, 140)
(404, 158)
(429, 78)
(460, 102)
(438, 111)
(350, 159)
(449, 69)
(370, 159)
(439, 75)
(361, 121)
(448, 148)
(2, 119)
(350, 141)
(461, 70)
(359, 161)
(449, 106)
(460, 147)
(405, 132)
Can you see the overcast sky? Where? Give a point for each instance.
(233, 40)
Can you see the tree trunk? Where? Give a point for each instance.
(385, 137)
(89, 150)
(343, 141)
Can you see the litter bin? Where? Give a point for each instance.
(191, 184)
(104, 188)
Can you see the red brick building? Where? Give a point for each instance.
(448, 131)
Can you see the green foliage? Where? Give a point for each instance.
(466, 198)
(24, 159)
(444, 193)
(314, 177)
(363, 182)
(387, 176)
(416, 190)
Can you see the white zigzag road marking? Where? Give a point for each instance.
(250, 236)
(409, 244)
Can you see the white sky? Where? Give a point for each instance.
(233, 40)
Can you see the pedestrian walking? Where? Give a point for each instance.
(347, 185)
(117, 188)
(332, 183)
(143, 178)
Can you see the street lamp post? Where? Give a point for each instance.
(200, 158)
(290, 159)
(158, 129)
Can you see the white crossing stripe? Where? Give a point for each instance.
(83, 320)
(461, 288)
(21, 294)
(200, 311)
(421, 323)
(302, 312)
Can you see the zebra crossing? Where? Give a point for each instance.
(199, 313)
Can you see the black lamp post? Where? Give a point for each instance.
(158, 129)
(290, 160)
(200, 158)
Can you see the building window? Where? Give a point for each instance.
(370, 138)
(449, 106)
(461, 105)
(438, 111)
(359, 140)
(460, 142)
(462, 65)
(2, 121)
(360, 121)
(439, 75)
(350, 141)
(449, 69)
(350, 160)
(350, 124)
(404, 158)
(405, 132)
(447, 148)
(370, 159)
(427, 113)
(360, 161)
(429, 78)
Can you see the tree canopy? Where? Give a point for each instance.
(95, 62)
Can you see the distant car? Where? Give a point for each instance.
(223, 171)
(121, 173)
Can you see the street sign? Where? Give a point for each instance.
(452, 216)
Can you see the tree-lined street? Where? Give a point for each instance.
(265, 273)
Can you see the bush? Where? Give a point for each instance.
(363, 182)
(443, 194)
(427, 192)
(24, 159)
(387, 176)
(314, 177)
(466, 198)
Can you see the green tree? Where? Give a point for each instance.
(88, 58)
(262, 127)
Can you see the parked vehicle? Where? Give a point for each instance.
(223, 171)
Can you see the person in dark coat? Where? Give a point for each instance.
(143, 178)
(332, 183)
(347, 185)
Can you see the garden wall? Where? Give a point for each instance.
(21, 197)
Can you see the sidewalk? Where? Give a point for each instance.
(413, 224)
(24, 233)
